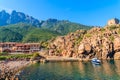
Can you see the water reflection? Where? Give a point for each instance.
(108, 70)
(117, 66)
(96, 65)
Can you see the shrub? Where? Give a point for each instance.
(119, 31)
(112, 27)
(78, 40)
(102, 29)
(3, 57)
(4, 53)
(36, 55)
(16, 56)
(88, 35)
(44, 44)
(111, 38)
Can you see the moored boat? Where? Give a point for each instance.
(95, 61)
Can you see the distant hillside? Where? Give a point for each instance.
(22, 32)
(7, 35)
(37, 35)
(62, 26)
(20, 27)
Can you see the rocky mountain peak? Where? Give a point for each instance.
(4, 16)
(52, 20)
(3, 11)
(14, 11)
(16, 17)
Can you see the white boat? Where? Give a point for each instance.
(95, 61)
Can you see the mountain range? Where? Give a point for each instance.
(20, 27)
(16, 17)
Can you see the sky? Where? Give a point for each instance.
(87, 12)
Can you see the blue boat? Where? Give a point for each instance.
(95, 61)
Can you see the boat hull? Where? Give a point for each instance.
(95, 61)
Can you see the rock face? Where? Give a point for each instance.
(117, 55)
(103, 43)
(117, 44)
(113, 22)
(3, 17)
(16, 17)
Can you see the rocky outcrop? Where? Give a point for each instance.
(117, 44)
(65, 45)
(113, 22)
(117, 55)
(103, 43)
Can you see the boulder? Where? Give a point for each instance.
(88, 47)
(113, 22)
(51, 52)
(84, 48)
(117, 55)
(117, 44)
(81, 49)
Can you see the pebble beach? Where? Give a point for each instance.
(8, 69)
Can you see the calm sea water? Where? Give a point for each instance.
(108, 70)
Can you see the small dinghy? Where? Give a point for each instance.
(95, 61)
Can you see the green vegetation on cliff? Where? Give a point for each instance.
(24, 32)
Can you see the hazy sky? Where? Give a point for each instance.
(89, 12)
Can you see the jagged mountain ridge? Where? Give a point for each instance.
(62, 26)
(16, 17)
(53, 24)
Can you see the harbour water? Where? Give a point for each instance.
(108, 70)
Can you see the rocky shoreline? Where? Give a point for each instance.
(64, 59)
(9, 69)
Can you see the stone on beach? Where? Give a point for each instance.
(9, 69)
